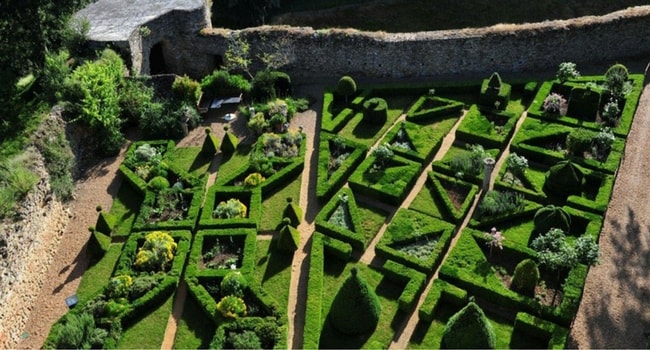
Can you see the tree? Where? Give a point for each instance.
(566, 71)
(346, 87)
(383, 154)
(616, 81)
(525, 277)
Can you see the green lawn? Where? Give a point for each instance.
(275, 203)
(235, 162)
(273, 272)
(425, 202)
(149, 332)
(125, 208)
(371, 220)
(97, 275)
(195, 330)
(191, 160)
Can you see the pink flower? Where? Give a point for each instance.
(495, 238)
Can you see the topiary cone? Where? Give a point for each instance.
(525, 278)
(229, 143)
(564, 179)
(469, 328)
(210, 143)
(356, 308)
(550, 217)
(288, 239)
(293, 212)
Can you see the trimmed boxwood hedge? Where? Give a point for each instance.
(248, 259)
(415, 282)
(391, 184)
(337, 248)
(409, 227)
(327, 185)
(216, 194)
(334, 123)
(533, 326)
(476, 128)
(463, 266)
(314, 308)
(627, 113)
(219, 341)
(187, 223)
(442, 165)
(289, 170)
(129, 174)
(441, 292)
(437, 182)
(353, 236)
(443, 107)
(426, 141)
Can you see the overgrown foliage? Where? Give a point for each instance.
(567, 71)
(157, 252)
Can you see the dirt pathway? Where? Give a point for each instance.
(614, 309)
(99, 187)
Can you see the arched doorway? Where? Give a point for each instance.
(157, 60)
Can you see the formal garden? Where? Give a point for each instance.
(481, 264)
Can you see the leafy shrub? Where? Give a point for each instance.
(579, 141)
(567, 71)
(346, 87)
(469, 328)
(142, 284)
(611, 112)
(244, 340)
(383, 154)
(231, 209)
(157, 252)
(356, 308)
(525, 277)
(158, 184)
(587, 250)
(616, 81)
(553, 103)
(231, 306)
(257, 123)
(118, 286)
(260, 163)
(550, 217)
(55, 71)
(268, 85)
(186, 89)
(286, 145)
(469, 163)
(135, 99)
(58, 158)
(222, 83)
(234, 283)
(498, 203)
(341, 215)
(516, 164)
(16, 180)
(254, 180)
(604, 139)
(76, 332)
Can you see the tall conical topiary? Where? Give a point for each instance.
(469, 328)
(293, 212)
(564, 179)
(229, 143)
(289, 237)
(551, 216)
(525, 277)
(356, 308)
(210, 143)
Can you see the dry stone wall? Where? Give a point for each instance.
(503, 48)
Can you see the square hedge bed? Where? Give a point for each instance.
(445, 197)
(394, 285)
(544, 142)
(235, 243)
(588, 120)
(489, 127)
(251, 198)
(182, 214)
(416, 240)
(471, 266)
(513, 330)
(337, 159)
(457, 151)
(417, 142)
(389, 185)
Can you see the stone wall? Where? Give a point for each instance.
(503, 48)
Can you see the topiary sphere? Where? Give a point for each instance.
(375, 111)
(346, 86)
(356, 308)
(158, 184)
(469, 328)
(234, 283)
(551, 216)
(564, 179)
(525, 278)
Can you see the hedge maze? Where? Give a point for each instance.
(378, 238)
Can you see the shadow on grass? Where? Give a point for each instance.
(330, 338)
(365, 130)
(195, 330)
(276, 262)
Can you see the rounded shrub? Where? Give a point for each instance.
(118, 286)
(564, 179)
(375, 111)
(346, 87)
(157, 252)
(234, 283)
(231, 306)
(231, 209)
(356, 308)
(525, 278)
(158, 183)
(469, 328)
(254, 180)
(551, 216)
(244, 340)
(615, 79)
